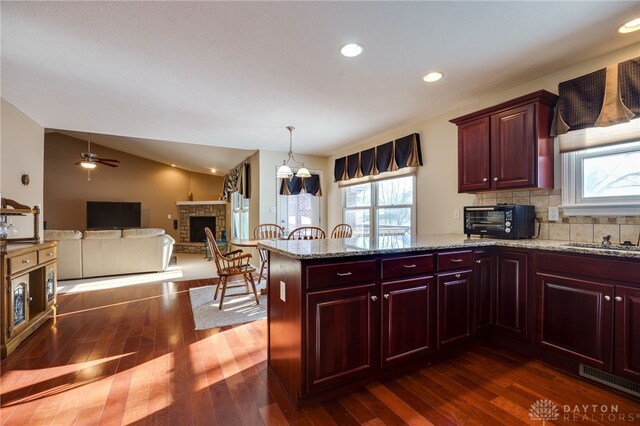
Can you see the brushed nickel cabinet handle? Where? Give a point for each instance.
(618, 299)
(607, 298)
(485, 179)
(455, 260)
(25, 260)
(344, 274)
(413, 265)
(386, 296)
(49, 254)
(495, 179)
(478, 261)
(458, 275)
(374, 298)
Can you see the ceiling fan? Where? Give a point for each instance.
(89, 160)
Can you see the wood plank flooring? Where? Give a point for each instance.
(131, 356)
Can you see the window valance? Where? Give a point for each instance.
(237, 180)
(603, 98)
(296, 185)
(388, 157)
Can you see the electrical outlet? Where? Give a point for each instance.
(554, 213)
(456, 214)
(283, 295)
(168, 216)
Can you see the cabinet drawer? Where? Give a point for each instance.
(47, 254)
(19, 263)
(335, 274)
(454, 260)
(406, 266)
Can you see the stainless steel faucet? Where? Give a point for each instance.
(606, 240)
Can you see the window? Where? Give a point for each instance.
(381, 212)
(239, 216)
(602, 180)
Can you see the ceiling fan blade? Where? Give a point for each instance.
(106, 164)
(108, 159)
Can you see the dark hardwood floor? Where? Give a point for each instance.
(131, 356)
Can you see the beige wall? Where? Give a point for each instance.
(156, 185)
(437, 193)
(21, 141)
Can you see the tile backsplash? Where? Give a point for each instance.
(568, 228)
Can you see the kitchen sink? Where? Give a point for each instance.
(599, 246)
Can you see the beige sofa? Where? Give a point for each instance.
(110, 252)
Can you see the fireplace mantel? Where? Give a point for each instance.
(199, 203)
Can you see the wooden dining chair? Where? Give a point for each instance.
(266, 231)
(342, 230)
(307, 233)
(229, 265)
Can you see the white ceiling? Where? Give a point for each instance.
(234, 74)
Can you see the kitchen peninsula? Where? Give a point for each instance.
(342, 311)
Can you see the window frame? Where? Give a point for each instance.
(239, 205)
(573, 202)
(374, 206)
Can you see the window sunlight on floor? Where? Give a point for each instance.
(188, 267)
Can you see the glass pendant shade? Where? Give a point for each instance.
(88, 164)
(284, 172)
(303, 172)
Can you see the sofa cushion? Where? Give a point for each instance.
(61, 234)
(107, 234)
(142, 232)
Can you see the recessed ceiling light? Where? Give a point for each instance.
(432, 76)
(213, 170)
(173, 165)
(631, 26)
(351, 50)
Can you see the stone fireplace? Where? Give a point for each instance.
(199, 214)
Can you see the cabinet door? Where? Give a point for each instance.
(408, 318)
(18, 305)
(483, 289)
(454, 307)
(473, 155)
(575, 318)
(342, 335)
(513, 148)
(50, 285)
(627, 332)
(511, 292)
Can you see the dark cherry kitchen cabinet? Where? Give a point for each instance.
(576, 318)
(587, 313)
(408, 319)
(627, 329)
(455, 297)
(342, 338)
(454, 307)
(511, 292)
(483, 289)
(508, 145)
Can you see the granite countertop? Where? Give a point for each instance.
(334, 248)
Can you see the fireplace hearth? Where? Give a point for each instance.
(203, 213)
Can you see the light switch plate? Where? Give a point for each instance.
(283, 295)
(168, 216)
(554, 213)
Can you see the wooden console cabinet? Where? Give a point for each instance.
(29, 291)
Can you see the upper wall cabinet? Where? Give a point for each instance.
(508, 145)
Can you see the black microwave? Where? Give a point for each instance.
(501, 221)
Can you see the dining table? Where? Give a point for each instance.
(248, 243)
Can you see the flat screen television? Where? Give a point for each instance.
(113, 215)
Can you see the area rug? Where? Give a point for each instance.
(235, 310)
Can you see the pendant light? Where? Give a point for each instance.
(285, 171)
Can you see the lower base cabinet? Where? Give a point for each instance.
(342, 335)
(454, 307)
(585, 313)
(408, 318)
(511, 292)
